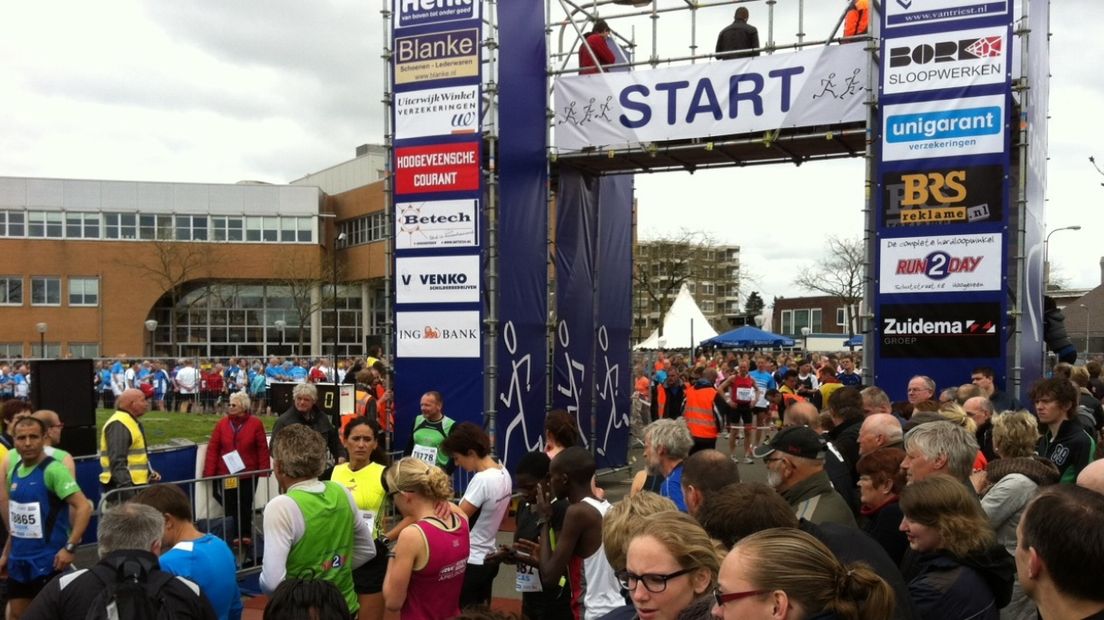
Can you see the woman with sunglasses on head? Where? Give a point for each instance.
(238, 439)
(426, 568)
(363, 476)
(670, 567)
(786, 574)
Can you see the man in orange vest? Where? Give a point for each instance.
(857, 19)
(703, 404)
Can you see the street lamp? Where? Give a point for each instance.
(151, 326)
(337, 320)
(805, 331)
(41, 327)
(280, 325)
(1046, 254)
(1088, 315)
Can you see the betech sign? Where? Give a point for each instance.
(437, 168)
(424, 12)
(967, 126)
(971, 194)
(940, 330)
(437, 334)
(946, 60)
(437, 279)
(436, 224)
(437, 56)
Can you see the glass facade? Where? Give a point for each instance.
(150, 227)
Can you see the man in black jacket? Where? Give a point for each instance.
(129, 542)
(737, 36)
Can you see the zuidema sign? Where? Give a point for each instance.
(437, 112)
(967, 126)
(953, 330)
(437, 279)
(437, 56)
(424, 12)
(436, 224)
(946, 60)
(970, 194)
(952, 263)
(437, 168)
(918, 12)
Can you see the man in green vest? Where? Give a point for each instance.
(430, 429)
(123, 455)
(313, 530)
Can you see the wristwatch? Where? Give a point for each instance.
(70, 547)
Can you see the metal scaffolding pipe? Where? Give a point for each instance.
(388, 208)
(490, 135)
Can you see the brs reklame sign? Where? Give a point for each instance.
(951, 330)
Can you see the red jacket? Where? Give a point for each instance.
(249, 441)
(212, 381)
(597, 42)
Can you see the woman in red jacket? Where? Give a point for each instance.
(238, 444)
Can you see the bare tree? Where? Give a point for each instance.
(301, 278)
(172, 264)
(839, 274)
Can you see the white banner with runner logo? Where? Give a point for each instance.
(821, 86)
(945, 264)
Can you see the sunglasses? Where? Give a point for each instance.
(723, 598)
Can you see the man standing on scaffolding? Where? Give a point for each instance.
(596, 42)
(737, 37)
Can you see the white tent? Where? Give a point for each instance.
(681, 319)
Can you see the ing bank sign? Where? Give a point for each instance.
(438, 334)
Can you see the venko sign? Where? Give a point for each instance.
(812, 87)
(437, 279)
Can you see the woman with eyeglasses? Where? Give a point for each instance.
(670, 566)
(238, 446)
(786, 574)
(426, 568)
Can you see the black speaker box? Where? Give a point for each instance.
(80, 440)
(65, 386)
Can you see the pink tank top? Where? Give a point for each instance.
(434, 591)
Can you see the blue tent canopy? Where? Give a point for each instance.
(748, 337)
(854, 341)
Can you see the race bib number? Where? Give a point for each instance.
(528, 579)
(26, 520)
(425, 453)
(369, 519)
(745, 394)
(230, 483)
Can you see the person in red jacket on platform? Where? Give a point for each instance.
(238, 446)
(596, 41)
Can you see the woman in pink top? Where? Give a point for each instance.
(426, 569)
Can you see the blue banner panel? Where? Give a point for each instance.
(460, 382)
(576, 231)
(523, 233)
(614, 320)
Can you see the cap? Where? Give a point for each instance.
(796, 441)
(661, 376)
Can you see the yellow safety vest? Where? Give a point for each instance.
(137, 459)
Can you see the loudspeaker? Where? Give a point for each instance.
(80, 440)
(65, 386)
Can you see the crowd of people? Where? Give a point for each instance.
(951, 504)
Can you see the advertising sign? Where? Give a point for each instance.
(437, 168)
(812, 87)
(946, 60)
(918, 12)
(947, 128)
(438, 334)
(959, 195)
(425, 12)
(951, 263)
(953, 330)
(437, 56)
(436, 224)
(437, 112)
(437, 279)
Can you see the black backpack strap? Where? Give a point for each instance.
(156, 583)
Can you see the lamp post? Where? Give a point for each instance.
(151, 326)
(1046, 254)
(280, 325)
(337, 320)
(805, 331)
(41, 327)
(1088, 316)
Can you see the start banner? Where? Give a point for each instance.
(824, 86)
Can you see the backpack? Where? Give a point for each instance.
(130, 592)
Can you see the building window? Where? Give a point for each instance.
(84, 349)
(44, 224)
(11, 350)
(787, 322)
(53, 350)
(363, 229)
(84, 291)
(707, 307)
(841, 317)
(45, 291)
(11, 290)
(12, 223)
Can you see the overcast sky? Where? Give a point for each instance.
(220, 92)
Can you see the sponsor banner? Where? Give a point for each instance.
(436, 56)
(918, 12)
(437, 168)
(945, 128)
(952, 330)
(945, 264)
(436, 224)
(824, 86)
(438, 334)
(426, 12)
(437, 112)
(437, 279)
(942, 60)
(958, 195)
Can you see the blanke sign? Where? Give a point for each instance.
(946, 264)
(437, 279)
(436, 224)
(437, 168)
(438, 334)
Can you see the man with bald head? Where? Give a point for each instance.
(53, 439)
(802, 413)
(1092, 477)
(880, 430)
(980, 410)
(123, 450)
